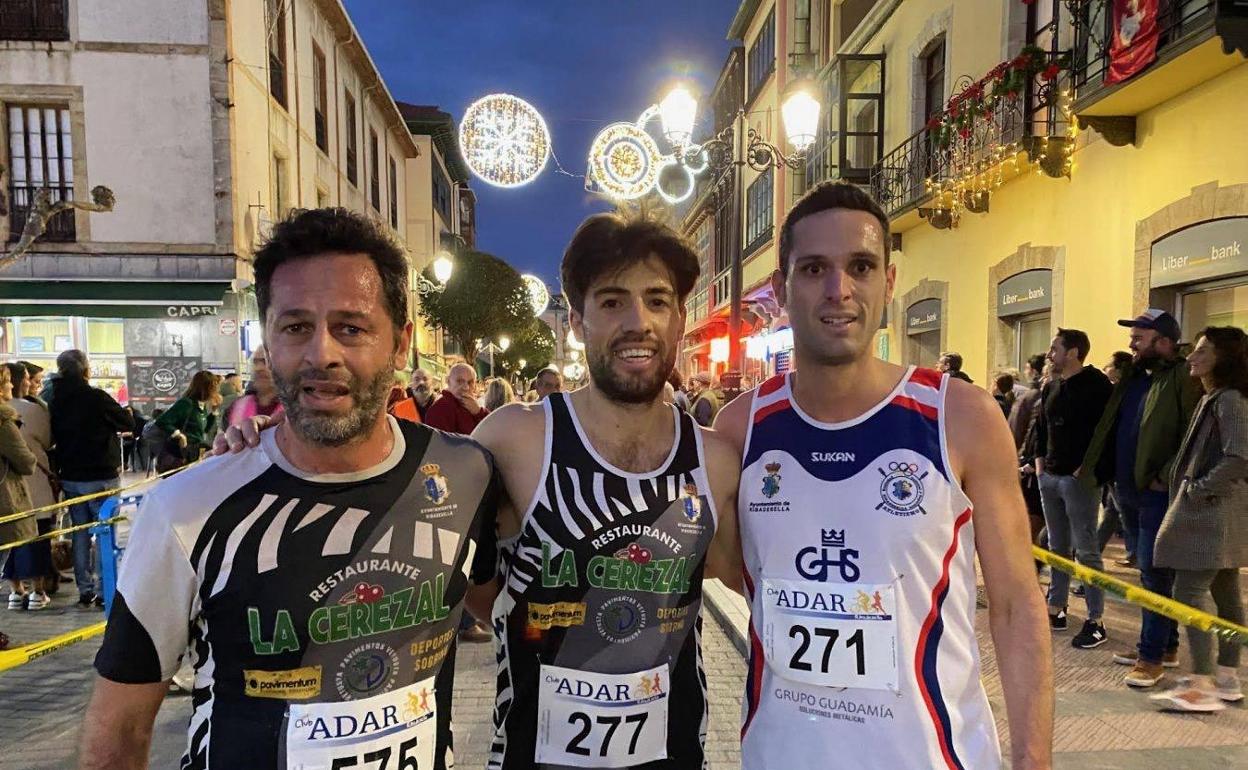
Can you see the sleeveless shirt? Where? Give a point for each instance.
(598, 623)
(859, 558)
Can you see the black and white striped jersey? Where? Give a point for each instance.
(598, 622)
(320, 611)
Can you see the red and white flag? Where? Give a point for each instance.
(1134, 45)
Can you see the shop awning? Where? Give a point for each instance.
(112, 299)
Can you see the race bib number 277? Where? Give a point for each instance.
(587, 719)
(831, 634)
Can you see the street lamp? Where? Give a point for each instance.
(504, 342)
(677, 112)
(739, 145)
(442, 269)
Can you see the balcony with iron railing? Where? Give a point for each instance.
(42, 20)
(1191, 41)
(60, 227)
(978, 142)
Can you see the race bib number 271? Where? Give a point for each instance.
(831, 634)
(587, 719)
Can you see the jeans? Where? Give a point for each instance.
(1215, 591)
(1158, 634)
(1070, 515)
(82, 513)
(1112, 520)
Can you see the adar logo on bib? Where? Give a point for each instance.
(901, 490)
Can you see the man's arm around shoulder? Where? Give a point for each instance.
(982, 453)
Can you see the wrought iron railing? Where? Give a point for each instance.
(60, 226)
(1093, 22)
(34, 20)
(906, 176)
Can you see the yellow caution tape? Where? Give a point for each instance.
(59, 532)
(1176, 611)
(92, 496)
(29, 652)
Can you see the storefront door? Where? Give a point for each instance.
(1213, 305)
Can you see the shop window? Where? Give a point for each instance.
(41, 155)
(1213, 306)
(1032, 335)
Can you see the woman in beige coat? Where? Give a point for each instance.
(1204, 536)
(16, 463)
(32, 563)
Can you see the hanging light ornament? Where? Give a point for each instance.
(539, 295)
(504, 140)
(626, 163)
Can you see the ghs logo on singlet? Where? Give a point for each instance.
(901, 490)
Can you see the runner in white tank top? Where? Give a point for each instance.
(865, 491)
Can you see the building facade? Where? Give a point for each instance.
(1039, 173)
(210, 120)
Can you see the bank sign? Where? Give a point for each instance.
(923, 316)
(1203, 251)
(1027, 292)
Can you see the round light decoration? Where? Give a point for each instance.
(539, 295)
(626, 163)
(504, 140)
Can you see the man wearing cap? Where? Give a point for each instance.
(706, 399)
(1134, 448)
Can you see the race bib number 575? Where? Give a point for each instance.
(831, 634)
(393, 731)
(586, 719)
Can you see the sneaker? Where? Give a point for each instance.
(1132, 657)
(17, 601)
(1091, 636)
(477, 633)
(98, 601)
(37, 601)
(1127, 562)
(1228, 689)
(1078, 590)
(1057, 622)
(1144, 674)
(1188, 698)
(87, 599)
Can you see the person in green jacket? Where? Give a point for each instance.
(192, 420)
(1134, 447)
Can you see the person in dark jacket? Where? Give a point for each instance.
(1071, 405)
(85, 424)
(1135, 446)
(951, 363)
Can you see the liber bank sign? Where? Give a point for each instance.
(1030, 291)
(1203, 251)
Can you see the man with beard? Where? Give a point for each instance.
(316, 579)
(608, 530)
(1134, 447)
(856, 499)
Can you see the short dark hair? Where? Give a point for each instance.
(1230, 370)
(314, 232)
(824, 197)
(1036, 363)
(955, 361)
(1076, 340)
(1004, 382)
(72, 364)
(609, 243)
(1120, 360)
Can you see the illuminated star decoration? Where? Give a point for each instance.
(504, 140)
(625, 162)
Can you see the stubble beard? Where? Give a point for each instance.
(629, 390)
(368, 398)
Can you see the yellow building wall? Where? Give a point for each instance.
(1189, 141)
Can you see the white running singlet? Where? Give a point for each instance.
(860, 568)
